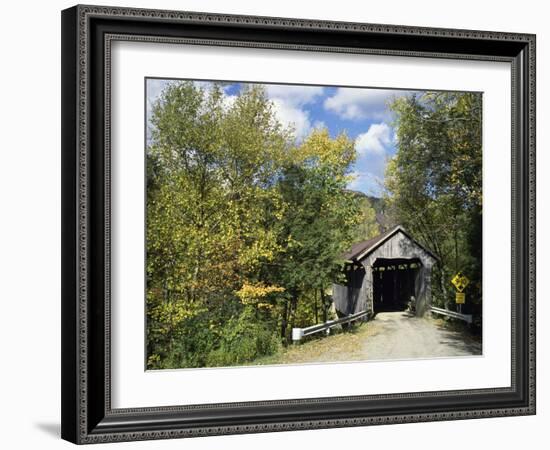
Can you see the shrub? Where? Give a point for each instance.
(242, 340)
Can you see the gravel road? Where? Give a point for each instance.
(389, 335)
(400, 335)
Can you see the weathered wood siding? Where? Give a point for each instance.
(349, 299)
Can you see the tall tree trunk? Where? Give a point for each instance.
(456, 244)
(316, 298)
(443, 287)
(324, 305)
(284, 321)
(293, 306)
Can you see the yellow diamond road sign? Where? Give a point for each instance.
(460, 281)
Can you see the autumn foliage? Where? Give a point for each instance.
(245, 226)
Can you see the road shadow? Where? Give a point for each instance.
(458, 339)
(461, 337)
(462, 341)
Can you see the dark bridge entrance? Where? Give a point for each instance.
(383, 273)
(394, 283)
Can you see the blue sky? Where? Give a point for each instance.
(361, 112)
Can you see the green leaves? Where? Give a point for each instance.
(242, 224)
(435, 179)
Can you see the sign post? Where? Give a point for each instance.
(460, 282)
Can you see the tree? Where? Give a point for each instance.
(318, 223)
(434, 180)
(245, 227)
(213, 167)
(368, 226)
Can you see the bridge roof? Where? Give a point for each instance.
(362, 249)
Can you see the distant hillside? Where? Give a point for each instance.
(383, 218)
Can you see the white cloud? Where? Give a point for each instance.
(229, 100)
(289, 101)
(204, 85)
(291, 116)
(356, 180)
(294, 95)
(374, 149)
(319, 124)
(355, 104)
(375, 141)
(154, 89)
(366, 182)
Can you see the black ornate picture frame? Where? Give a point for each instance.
(87, 35)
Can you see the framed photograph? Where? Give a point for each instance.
(279, 224)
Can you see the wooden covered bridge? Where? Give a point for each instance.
(385, 273)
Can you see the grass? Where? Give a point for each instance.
(349, 345)
(340, 346)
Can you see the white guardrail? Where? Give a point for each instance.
(455, 315)
(299, 333)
